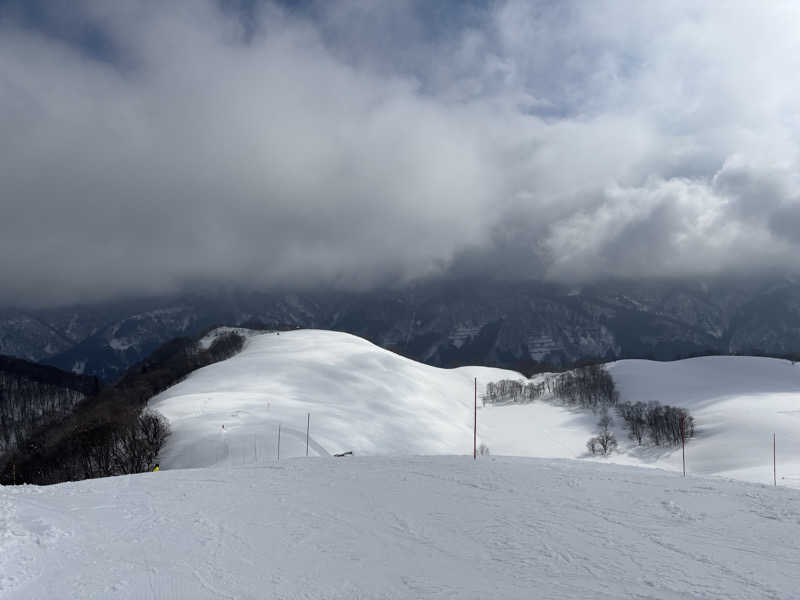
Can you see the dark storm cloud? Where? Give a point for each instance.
(149, 145)
(785, 222)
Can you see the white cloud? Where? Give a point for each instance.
(359, 146)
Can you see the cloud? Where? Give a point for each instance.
(147, 146)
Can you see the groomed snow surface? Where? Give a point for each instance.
(361, 398)
(737, 402)
(388, 524)
(404, 527)
(368, 400)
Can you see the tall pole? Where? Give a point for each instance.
(683, 445)
(279, 441)
(308, 427)
(774, 465)
(475, 426)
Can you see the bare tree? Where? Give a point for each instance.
(605, 442)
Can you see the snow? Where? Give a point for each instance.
(737, 402)
(395, 528)
(368, 400)
(361, 398)
(540, 346)
(121, 344)
(462, 333)
(393, 525)
(209, 338)
(79, 367)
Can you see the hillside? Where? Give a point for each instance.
(33, 396)
(72, 435)
(361, 398)
(396, 528)
(365, 399)
(737, 402)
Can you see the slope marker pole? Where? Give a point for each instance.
(308, 427)
(683, 445)
(475, 426)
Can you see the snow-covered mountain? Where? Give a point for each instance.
(442, 322)
(28, 337)
(365, 399)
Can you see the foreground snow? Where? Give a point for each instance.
(420, 527)
(371, 401)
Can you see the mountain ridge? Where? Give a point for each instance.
(517, 325)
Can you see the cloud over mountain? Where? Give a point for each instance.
(151, 145)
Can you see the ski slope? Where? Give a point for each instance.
(368, 400)
(401, 528)
(737, 402)
(361, 398)
(392, 525)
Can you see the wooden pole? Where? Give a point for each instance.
(683, 445)
(308, 427)
(475, 425)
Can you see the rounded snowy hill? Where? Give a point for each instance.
(360, 398)
(370, 401)
(738, 403)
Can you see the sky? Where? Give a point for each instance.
(147, 146)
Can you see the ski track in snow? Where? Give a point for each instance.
(432, 527)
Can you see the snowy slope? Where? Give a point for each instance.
(368, 400)
(396, 528)
(738, 403)
(361, 397)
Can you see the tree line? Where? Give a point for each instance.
(589, 386)
(512, 390)
(112, 432)
(33, 395)
(662, 425)
(592, 387)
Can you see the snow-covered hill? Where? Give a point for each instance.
(361, 398)
(737, 402)
(371, 401)
(396, 528)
